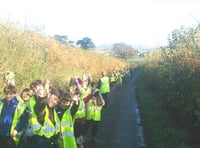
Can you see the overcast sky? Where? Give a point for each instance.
(141, 22)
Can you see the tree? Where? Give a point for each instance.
(123, 50)
(185, 37)
(85, 43)
(61, 38)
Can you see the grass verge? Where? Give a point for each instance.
(160, 131)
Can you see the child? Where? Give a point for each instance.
(93, 113)
(13, 118)
(25, 95)
(104, 87)
(66, 110)
(44, 121)
(80, 117)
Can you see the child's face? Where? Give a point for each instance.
(53, 100)
(40, 91)
(9, 96)
(65, 103)
(26, 96)
(71, 89)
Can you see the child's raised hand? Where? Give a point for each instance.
(75, 99)
(14, 134)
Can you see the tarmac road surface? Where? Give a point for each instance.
(120, 126)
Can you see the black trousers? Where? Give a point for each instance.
(7, 142)
(79, 128)
(106, 99)
(91, 125)
(43, 142)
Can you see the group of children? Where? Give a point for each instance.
(45, 116)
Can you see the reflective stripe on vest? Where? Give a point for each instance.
(93, 111)
(67, 130)
(48, 129)
(81, 110)
(67, 123)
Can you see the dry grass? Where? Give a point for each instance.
(32, 56)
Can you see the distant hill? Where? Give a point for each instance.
(137, 47)
(104, 46)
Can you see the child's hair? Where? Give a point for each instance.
(72, 81)
(10, 89)
(75, 81)
(68, 96)
(103, 73)
(35, 83)
(99, 98)
(57, 92)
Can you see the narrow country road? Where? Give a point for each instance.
(121, 125)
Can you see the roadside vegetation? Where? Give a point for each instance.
(31, 56)
(168, 92)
